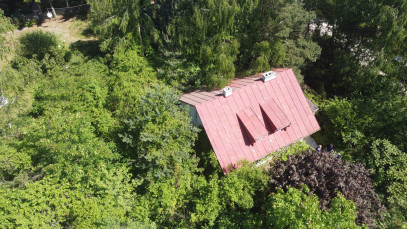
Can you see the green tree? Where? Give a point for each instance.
(5, 26)
(80, 86)
(204, 32)
(38, 43)
(158, 134)
(243, 193)
(367, 32)
(378, 26)
(255, 35)
(130, 74)
(115, 21)
(50, 203)
(388, 166)
(374, 110)
(13, 164)
(274, 33)
(325, 175)
(176, 71)
(294, 209)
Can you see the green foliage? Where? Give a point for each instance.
(223, 36)
(242, 194)
(325, 175)
(16, 87)
(217, 63)
(160, 132)
(263, 51)
(278, 53)
(388, 165)
(240, 186)
(114, 21)
(95, 140)
(176, 71)
(214, 37)
(58, 139)
(44, 202)
(296, 148)
(39, 43)
(204, 32)
(56, 170)
(291, 25)
(294, 209)
(378, 26)
(130, 74)
(5, 26)
(207, 157)
(30, 23)
(357, 65)
(374, 111)
(48, 204)
(339, 118)
(12, 163)
(274, 33)
(80, 87)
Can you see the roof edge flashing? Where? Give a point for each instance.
(284, 127)
(267, 76)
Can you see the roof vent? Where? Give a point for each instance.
(227, 91)
(268, 76)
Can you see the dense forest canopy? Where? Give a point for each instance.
(92, 133)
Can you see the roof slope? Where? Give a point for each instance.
(235, 134)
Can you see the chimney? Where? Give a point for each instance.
(227, 91)
(268, 76)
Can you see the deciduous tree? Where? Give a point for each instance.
(325, 175)
(388, 166)
(5, 26)
(295, 209)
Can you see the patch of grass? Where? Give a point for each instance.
(82, 28)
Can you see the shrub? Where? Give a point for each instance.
(295, 209)
(388, 165)
(30, 23)
(5, 26)
(325, 175)
(39, 43)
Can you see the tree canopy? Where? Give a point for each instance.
(326, 175)
(5, 26)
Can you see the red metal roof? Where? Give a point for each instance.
(252, 124)
(274, 115)
(257, 119)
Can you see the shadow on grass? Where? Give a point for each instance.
(89, 48)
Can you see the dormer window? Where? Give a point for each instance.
(275, 115)
(254, 128)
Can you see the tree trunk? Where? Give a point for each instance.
(139, 33)
(52, 8)
(67, 4)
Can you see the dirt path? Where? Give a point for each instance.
(70, 30)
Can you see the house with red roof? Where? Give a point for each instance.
(253, 116)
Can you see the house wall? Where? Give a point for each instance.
(193, 114)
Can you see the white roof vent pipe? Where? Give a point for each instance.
(227, 91)
(268, 76)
